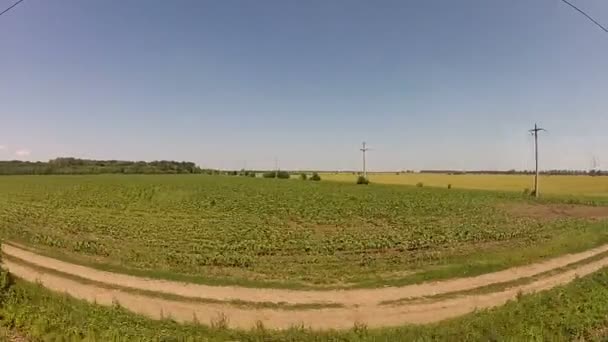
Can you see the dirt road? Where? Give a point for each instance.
(345, 297)
(360, 306)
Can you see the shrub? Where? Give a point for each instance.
(303, 176)
(270, 174)
(315, 177)
(362, 180)
(283, 175)
(252, 174)
(419, 184)
(526, 191)
(276, 174)
(449, 186)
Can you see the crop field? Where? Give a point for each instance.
(287, 233)
(550, 184)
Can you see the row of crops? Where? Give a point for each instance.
(263, 229)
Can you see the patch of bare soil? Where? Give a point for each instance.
(558, 211)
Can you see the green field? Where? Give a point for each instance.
(554, 185)
(283, 233)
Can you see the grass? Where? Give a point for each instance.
(173, 297)
(497, 287)
(554, 185)
(576, 311)
(263, 232)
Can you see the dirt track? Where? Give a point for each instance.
(344, 297)
(361, 305)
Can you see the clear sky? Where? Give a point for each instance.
(232, 84)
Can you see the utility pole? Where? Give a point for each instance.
(595, 165)
(534, 132)
(364, 149)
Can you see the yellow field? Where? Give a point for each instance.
(563, 185)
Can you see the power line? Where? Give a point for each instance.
(586, 15)
(11, 7)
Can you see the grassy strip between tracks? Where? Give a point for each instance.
(496, 287)
(173, 297)
(571, 312)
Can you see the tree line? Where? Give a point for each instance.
(521, 172)
(62, 166)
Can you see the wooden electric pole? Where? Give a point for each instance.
(534, 132)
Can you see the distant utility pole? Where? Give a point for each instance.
(534, 132)
(364, 149)
(595, 165)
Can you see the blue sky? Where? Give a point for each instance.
(232, 84)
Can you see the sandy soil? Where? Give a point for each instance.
(333, 318)
(348, 298)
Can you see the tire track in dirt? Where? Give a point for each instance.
(319, 319)
(348, 297)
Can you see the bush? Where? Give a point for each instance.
(362, 180)
(276, 174)
(247, 173)
(419, 184)
(283, 175)
(270, 174)
(526, 192)
(315, 177)
(303, 176)
(449, 186)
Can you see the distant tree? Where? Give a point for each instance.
(315, 177)
(86, 166)
(283, 175)
(303, 176)
(270, 174)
